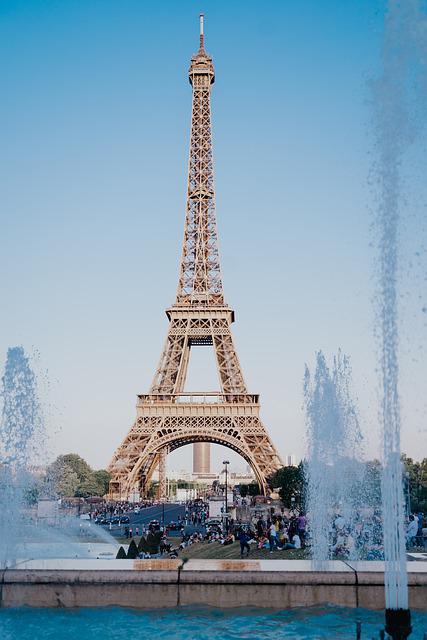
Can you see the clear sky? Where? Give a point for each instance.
(94, 121)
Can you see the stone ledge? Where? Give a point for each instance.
(150, 584)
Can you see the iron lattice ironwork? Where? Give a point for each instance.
(167, 418)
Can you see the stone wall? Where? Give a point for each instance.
(147, 584)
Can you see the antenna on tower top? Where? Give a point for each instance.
(202, 35)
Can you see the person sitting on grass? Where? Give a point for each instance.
(262, 542)
(295, 544)
(229, 539)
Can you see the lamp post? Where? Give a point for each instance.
(226, 463)
(408, 493)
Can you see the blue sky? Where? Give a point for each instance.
(94, 123)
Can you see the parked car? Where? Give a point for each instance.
(214, 524)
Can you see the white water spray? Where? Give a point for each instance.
(334, 455)
(21, 429)
(404, 56)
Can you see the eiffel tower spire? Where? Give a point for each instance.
(200, 271)
(168, 418)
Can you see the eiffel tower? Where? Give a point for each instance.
(167, 418)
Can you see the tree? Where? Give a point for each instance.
(102, 478)
(78, 465)
(70, 475)
(251, 489)
(291, 483)
(61, 479)
(133, 550)
(415, 479)
(371, 484)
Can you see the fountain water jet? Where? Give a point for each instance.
(22, 448)
(395, 127)
(334, 454)
(21, 432)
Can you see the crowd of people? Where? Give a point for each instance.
(361, 536)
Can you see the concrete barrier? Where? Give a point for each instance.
(280, 584)
(149, 584)
(92, 583)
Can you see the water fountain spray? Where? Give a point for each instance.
(334, 455)
(394, 129)
(21, 426)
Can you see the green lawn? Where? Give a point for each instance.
(216, 551)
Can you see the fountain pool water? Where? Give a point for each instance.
(190, 622)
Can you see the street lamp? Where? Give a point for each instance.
(408, 493)
(226, 463)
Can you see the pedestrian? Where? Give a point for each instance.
(302, 524)
(244, 543)
(272, 537)
(420, 539)
(411, 532)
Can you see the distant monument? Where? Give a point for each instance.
(168, 418)
(201, 458)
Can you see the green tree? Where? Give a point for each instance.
(78, 465)
(251, 489)
(415, 483)
(133, 550)
(371, 484)
(291, 483)
(152, 491)
(95, 485)
(61, 479)
(102, 478)
(70, 475)
(32, 493)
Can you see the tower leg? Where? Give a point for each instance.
(161, 492)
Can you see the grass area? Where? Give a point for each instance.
(216, 551)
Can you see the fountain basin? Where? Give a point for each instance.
(202, 623)
(149, 584)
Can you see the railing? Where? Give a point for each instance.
(198, 398)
